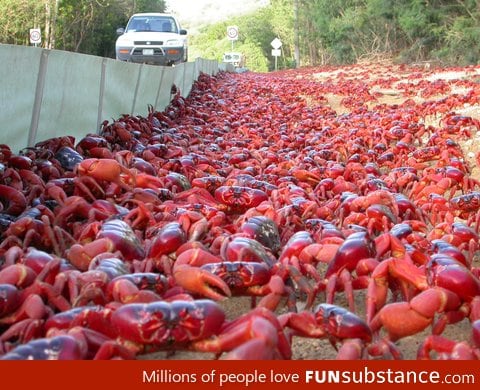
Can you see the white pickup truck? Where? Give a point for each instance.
(153, 38)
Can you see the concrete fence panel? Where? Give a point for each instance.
(147, 88)
(188, 77)
(178, 77)
(119, 91)
(18, 74)
(70, 96)
(165, 94)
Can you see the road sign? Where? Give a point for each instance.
(276, 53)
(276, 43)
(35, 36)
(232, 33)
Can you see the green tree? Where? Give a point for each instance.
(89, 26)
(16, 19)
(461, 43)
(148, 6)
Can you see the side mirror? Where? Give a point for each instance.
(120, 31)
(183, 32)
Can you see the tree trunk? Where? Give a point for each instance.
(296, 35)
(48, 25)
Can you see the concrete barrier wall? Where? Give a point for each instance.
(50, 93)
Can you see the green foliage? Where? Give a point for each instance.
(89, 26)
(461, 43)
(17, 17)
(148, 6)
(254, 56)
(344, 31)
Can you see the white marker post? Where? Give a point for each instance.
(232, 34)
(276, 52)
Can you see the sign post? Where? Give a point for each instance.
(35, 36)
(232, 33)
(276, 52)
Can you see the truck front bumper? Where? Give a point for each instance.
(151, 55)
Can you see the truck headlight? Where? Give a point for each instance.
(174, 42)
(124, 42)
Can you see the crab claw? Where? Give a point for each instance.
(401, 319)
(24, 330)
(254, 335)
(188, 274)
(200, 281)
(82, 255)
(108, 170)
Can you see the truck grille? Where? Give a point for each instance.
(156, 51)
(148, 43)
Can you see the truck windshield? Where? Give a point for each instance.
(152, 23)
